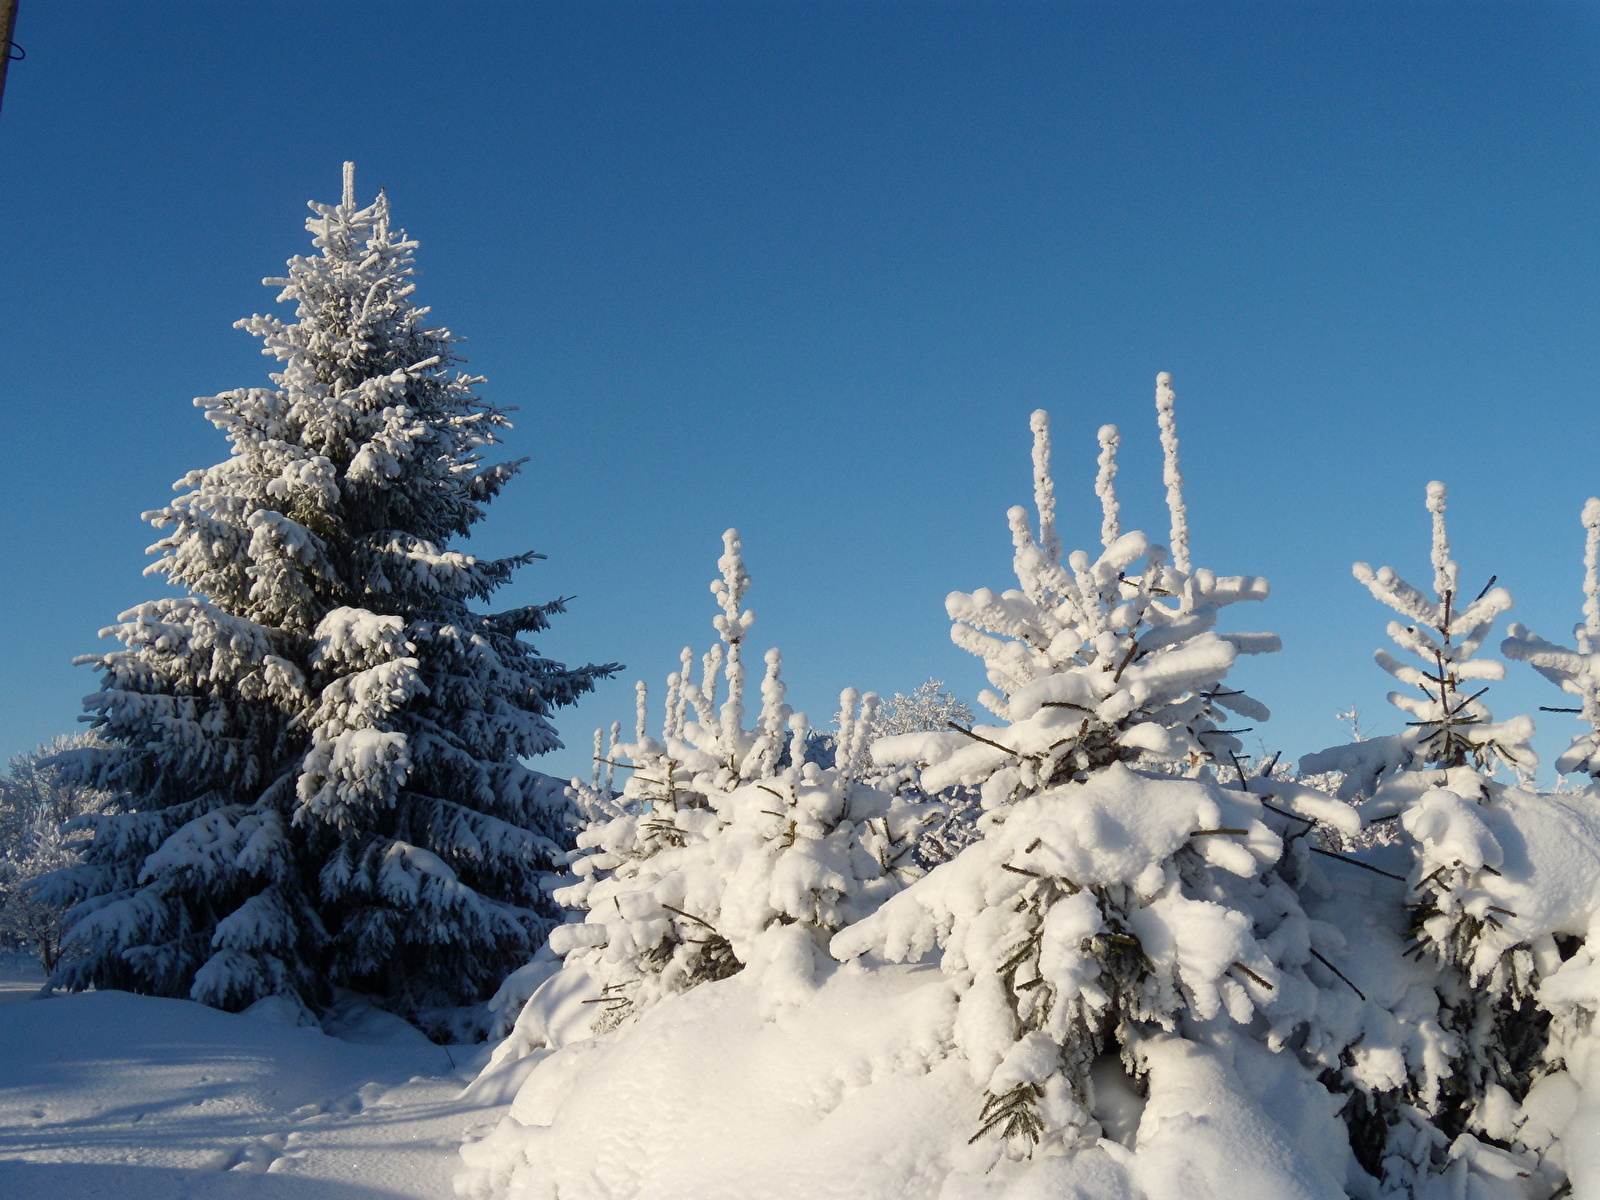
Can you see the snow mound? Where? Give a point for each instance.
(856, 1094)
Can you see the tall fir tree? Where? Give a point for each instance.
(315, 751)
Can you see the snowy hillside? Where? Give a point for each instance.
(741, 1089)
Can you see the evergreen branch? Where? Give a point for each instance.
(1123, 666)
(692, 917)
(1338, 972)
(1283, 812)
(1255, 977)
(1239, 767)
(1356, 862)
(978, 737)
(1013, 1109)
(630, 767)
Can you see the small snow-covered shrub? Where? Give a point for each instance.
(928, 706)
(39, 801)
(726, 847)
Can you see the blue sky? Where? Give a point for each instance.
(806, 268)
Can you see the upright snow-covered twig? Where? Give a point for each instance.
(1044, 487)
(1591, 571)
(732, 625)
(1576, 672)
(1445, 570)
(1105, 486)
(611, 757)
(1170, 474)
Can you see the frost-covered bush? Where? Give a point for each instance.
(928, 706)
(39, 798)
(315, 752)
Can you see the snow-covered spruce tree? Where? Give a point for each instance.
(315, 751)
(726, 849)
(1470, 911)
(1105, 907)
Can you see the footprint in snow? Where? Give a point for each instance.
(259, 1156)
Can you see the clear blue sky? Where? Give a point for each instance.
(806, 268)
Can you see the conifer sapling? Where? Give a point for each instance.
(1105, 907)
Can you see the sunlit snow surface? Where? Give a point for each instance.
(129, 1097)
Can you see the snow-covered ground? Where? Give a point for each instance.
(109, 1094)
